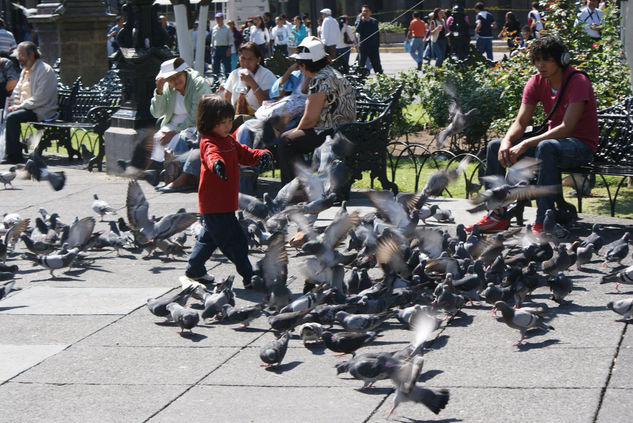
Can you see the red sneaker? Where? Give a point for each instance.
(537, 228)
(490, 223)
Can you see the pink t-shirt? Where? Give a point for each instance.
(578, 89)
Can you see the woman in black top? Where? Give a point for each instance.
(511, 31)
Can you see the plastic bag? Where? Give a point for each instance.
(407, 46)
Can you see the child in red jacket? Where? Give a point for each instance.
(220, 156)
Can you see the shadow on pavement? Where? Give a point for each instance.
(283, 367)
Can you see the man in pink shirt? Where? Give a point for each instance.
(572, 135)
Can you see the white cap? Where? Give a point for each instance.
(167, 68)
(311, 48)
(326, 11)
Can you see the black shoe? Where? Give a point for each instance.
(13, 160)
(419, 65)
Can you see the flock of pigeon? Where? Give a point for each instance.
(426, 275)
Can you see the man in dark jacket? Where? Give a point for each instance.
(367, 29)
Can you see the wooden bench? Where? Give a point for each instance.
(614, 156)
(86, 108)
(370, 135)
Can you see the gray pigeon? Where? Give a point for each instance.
(185, 317)
(523, 319)
(54, 261)
(101, 207)
(158, 306)
(213, 303)
(368, 367)
(362, 322)
(459, 122)
(6, 288)
(583, 255)
(439, 180)
(617, 250)
(243, 315)
(622, 307)
(274, 351)
(561, 286)
(310, 332)
(405, 376)
(7, 177)
(623, 277)
(594, 238)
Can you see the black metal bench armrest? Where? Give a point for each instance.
(100, 116)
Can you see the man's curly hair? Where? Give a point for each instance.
(547, 47)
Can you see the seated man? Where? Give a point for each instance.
(34, 98)
(572, 135)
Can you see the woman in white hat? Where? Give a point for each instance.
(331, 101)
(175, 104)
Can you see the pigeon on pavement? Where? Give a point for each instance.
(7, 177)
(346, 342)
(101, 207)
(523, 319)
(623, 307)
(158, 306)
(185, 317)
(274, 351)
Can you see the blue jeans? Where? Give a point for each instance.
(220, 57)
(439, 51)
(555, 154)
(283, 48)
(343, 53)
(417, 49)
(484, 45)
(191, 165)
(220, 230)
(13, 120)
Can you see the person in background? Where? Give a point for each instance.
(268, 21)
(526, 35)
(369, 44)
(459, 28)
(416, 32)
(330, 32)
(308, 24)
(437, 31)
(111, 36)
(346, 40)
(221, 42)
(280, 36)
(485, 23)
(331, 101)
(238, 40)
(534, 20)
(171, 32)
(248, 86)
(34, 98)
(9, 76)
(511, 31)
(591, 19)
(7, 40)
(221, 156)
(178, 90)
(260, 35)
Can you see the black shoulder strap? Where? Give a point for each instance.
(561, 92)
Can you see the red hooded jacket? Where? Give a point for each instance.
(216, 195)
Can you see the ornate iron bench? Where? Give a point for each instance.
(82, 108)
(370, 135)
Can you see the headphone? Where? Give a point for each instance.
(565, 57)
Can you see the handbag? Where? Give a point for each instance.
(541, 129)
(346, 38)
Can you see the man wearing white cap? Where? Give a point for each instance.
(330, 32)
(175, 104)
(221, 40)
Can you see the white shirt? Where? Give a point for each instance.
(586, 17)
(330, 31)
(264, 78)
(259, 36)
(341, 39)
(535, 15)
(280, 35)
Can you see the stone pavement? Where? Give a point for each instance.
(83, 347)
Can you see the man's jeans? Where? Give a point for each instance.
(417, 49)
(555, 154)
(220, 230)
(220, 57)
(12, 134)
(484, 45)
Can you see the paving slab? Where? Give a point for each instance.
(49, 329)
(501, 405)
(47, 300)
(279, 404)
(128, 365)
(617, 406)
(70, 403)
(621, 373)
(18, 358)
(143, 329)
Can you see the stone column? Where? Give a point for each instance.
(45, 21)
(82, 27)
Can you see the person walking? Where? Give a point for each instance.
(485, 23)
(280, 36)
(221, 42)
(260, 35)
(330, 32)
(416, 32)
(369, 45)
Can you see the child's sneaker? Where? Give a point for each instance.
(537, 228)
(490, 223)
